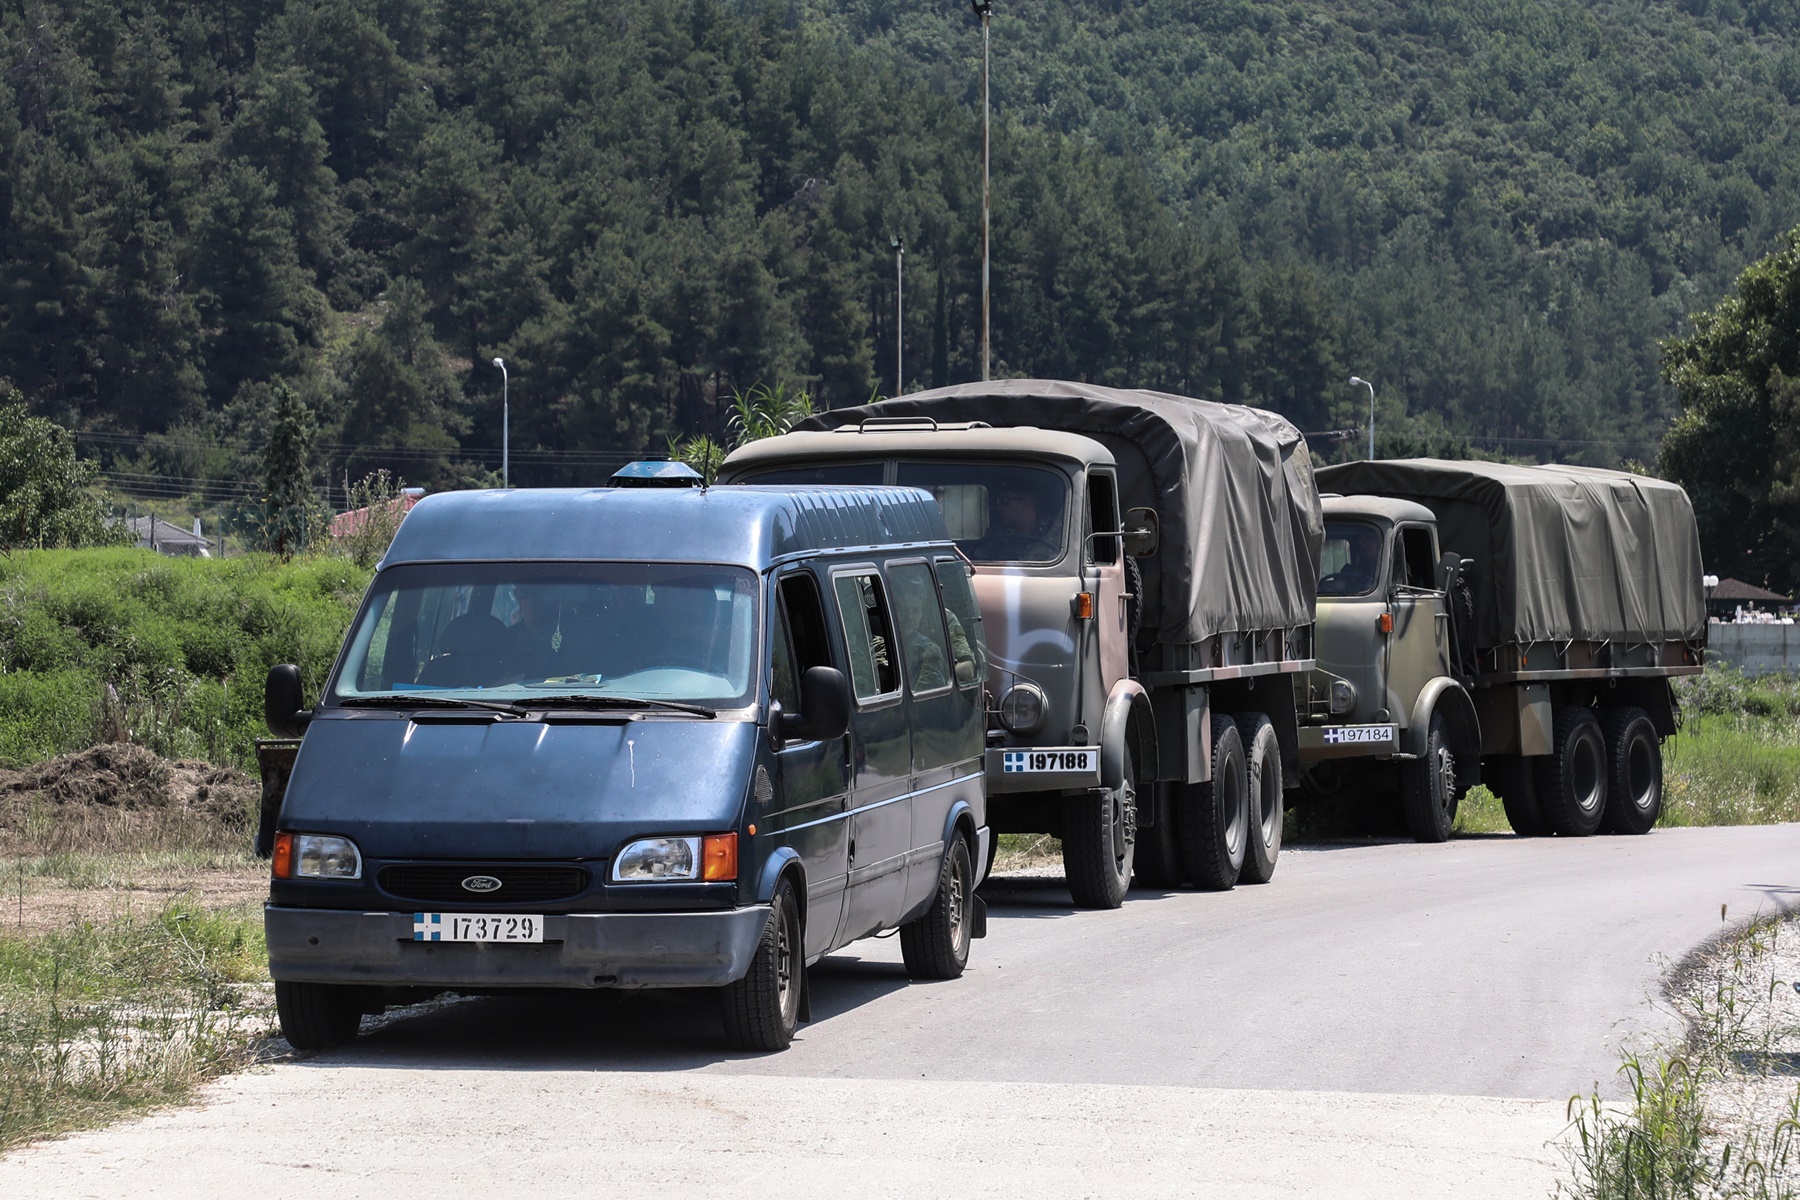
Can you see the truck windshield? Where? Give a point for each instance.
(997, 512)
(510, 631)
(1350, 564)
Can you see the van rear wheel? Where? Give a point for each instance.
(1212, 823)
(762, 1010)
(1098, 833)
(936, 945)
(318, 1016)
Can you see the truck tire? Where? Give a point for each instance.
(1634, 771)
(1097, 841)
(318, 1016)
(1262, 769)
(1571, 779)
(1509, 777)
(1428, 786)
(1156, 857)
(936, 945)
(762, 1010)
(1212, 823)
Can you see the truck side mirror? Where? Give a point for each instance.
(1449, 569)
(284, 708)
(1143, 532)
(824, 707)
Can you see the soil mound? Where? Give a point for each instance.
(121, 777)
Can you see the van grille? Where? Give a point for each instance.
(518, 884)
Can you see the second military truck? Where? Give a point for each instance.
(1145, 566)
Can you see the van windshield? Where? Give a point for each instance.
(507, 632)
(997, 512)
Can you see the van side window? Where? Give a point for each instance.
(965, 622)
(868, 635)
(800, 638)
(1421, 568)
(921, 627)
(1103, 517)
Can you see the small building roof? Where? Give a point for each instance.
(1737, 589)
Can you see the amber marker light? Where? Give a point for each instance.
(718, 858)
(281, 862)
(1084, 605)
(1387, 622)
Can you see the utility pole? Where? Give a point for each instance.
(985, 9)
(1356, 382)
(505, 424)
(899, 245)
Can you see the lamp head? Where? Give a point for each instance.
(981, 7)
(1355, 381)
(501, 363)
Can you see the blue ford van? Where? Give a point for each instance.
(634, 738)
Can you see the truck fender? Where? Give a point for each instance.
(1129, 727)
(1447, 695)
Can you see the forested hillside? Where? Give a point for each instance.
(1494, 210)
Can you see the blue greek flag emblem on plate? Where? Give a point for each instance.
(428, 927)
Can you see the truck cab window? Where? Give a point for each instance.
(997, 512)
(868, 635)
(1414, 545)
(1103, 517)
(1350, 562)
(863, 474)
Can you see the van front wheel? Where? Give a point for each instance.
(936, 945)
(317, 1016)
(762, 1009)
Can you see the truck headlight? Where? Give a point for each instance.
(1022, 708)
(659, 858)
(316, 856)
(1343, 695)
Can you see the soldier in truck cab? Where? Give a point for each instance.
(1018, 526)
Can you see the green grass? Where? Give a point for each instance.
(100, 1020)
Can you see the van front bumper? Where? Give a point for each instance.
(579, 950)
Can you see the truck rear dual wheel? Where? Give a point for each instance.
(1571, 779)
(1634, 771)
(1156, 857)
(1510, 777)
(1428, 786)
(1267, 800)
(1212, 821)
(318, 1016)
(1097, 840)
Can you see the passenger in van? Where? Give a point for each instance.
(924, 659)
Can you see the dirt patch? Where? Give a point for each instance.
(121, 797)
(32, 904)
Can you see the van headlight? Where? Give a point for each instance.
(659, 858)
(315, 856)
(1022, 708)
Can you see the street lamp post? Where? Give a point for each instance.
(505, 424)
(899, 245)
(1356, 382)
(985, 9)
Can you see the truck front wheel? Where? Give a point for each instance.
(1212, 822)
(1571, 780)
(1098, 834)
(1262, 761)
(1509, 777)
(1428, 786)
(1634, 772)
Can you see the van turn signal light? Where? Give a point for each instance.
(1387, 622)
(718, 858)
(281, 862)
(1084, 606)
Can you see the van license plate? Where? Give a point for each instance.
(1032, 761)
(476, 927)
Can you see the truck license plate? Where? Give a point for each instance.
(1350, 735)
(1033, 761)
(477, 927)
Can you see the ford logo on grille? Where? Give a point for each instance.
(481, 883)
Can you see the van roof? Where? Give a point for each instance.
(750, 526)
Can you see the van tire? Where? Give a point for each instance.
(1428, 786)
(1634, 771)
(318, 1016)
(1571, 779)
(1262, 762)
(1156, 858)
(1212, 824)
(762, 1010)
(1094, 825)
(936, 945)
(1509, 777)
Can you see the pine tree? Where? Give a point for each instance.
(290, 511)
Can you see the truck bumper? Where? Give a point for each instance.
(1318, 742)
(579, 950)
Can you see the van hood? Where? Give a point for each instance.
(515, 789)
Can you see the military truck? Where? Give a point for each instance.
(1144, 567)
(1512, 625)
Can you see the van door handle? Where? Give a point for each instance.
(852, 849)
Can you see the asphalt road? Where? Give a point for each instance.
(1328, 1030)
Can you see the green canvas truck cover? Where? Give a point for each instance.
(1233, 486)
(1558, 553)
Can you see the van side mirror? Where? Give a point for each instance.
(284, 708)
(824, 707)
(1143, 532)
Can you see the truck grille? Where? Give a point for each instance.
(518, 884)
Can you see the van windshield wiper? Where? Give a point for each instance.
(417, 701)
(579, 701)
